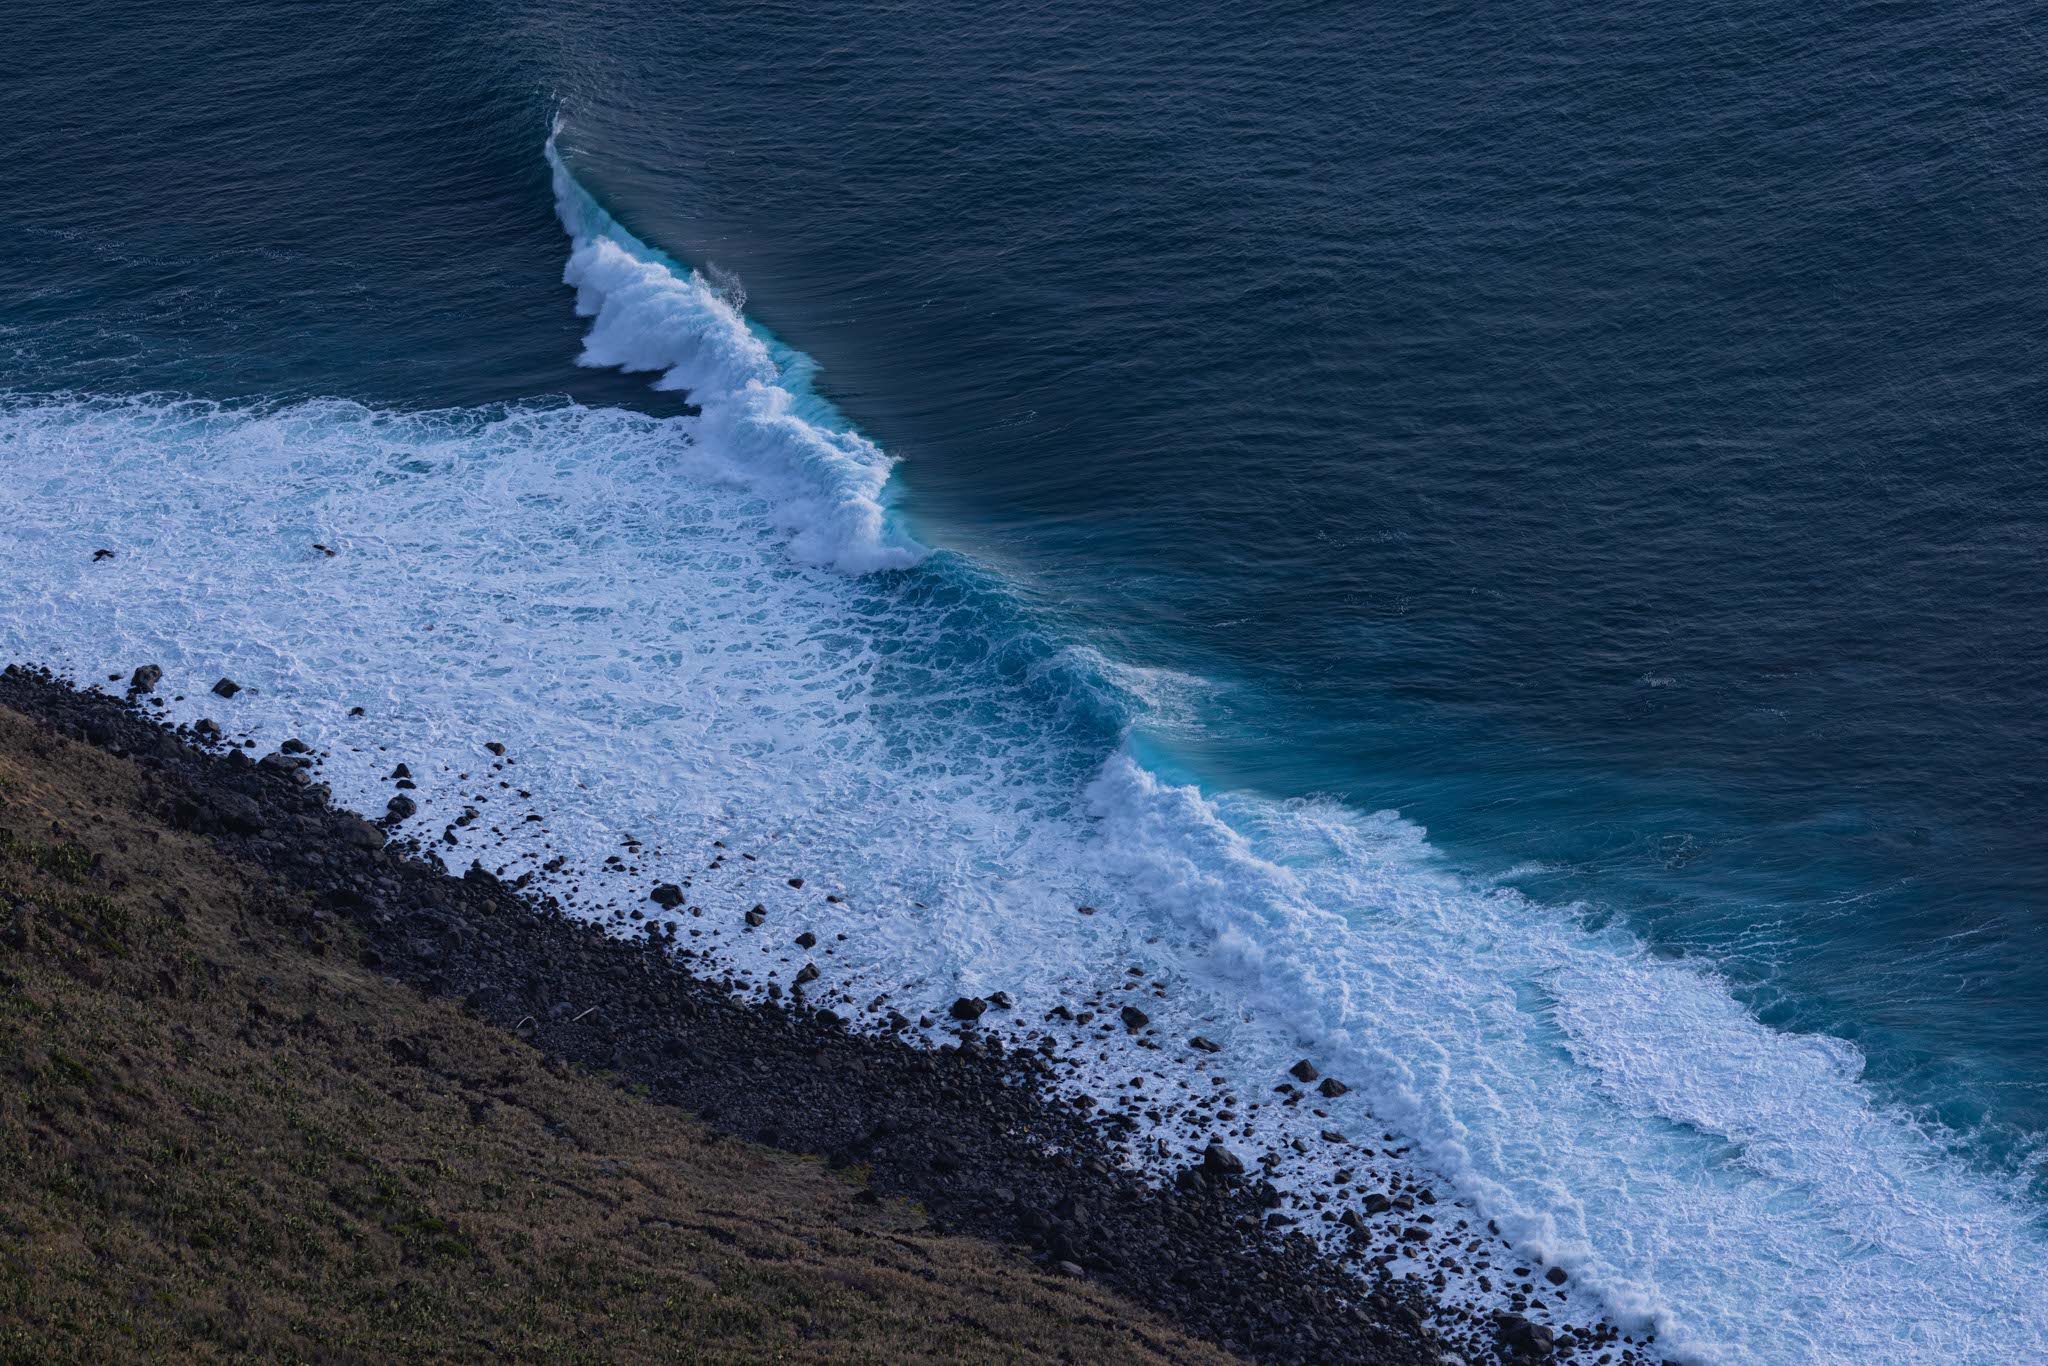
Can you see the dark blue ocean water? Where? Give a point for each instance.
(1609, 435)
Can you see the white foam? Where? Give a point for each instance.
(765, 429)
(1621, 1115)
(568, 583)
(608, 594)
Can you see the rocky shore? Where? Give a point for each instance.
(970, 1129)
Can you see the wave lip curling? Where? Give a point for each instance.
(760, 428)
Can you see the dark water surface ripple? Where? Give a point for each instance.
(1609, 434)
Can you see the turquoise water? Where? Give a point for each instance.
(1603, 438)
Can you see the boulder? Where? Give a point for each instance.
(1523, 1339)
(667, 895)
(238, 813)
(145, 679)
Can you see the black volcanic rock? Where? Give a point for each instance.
(1220, 1161)
(974, 1133)
(1525, 1340)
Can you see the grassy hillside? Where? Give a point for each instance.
(222, 1137)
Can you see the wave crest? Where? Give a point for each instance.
(759, 429)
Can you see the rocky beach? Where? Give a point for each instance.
(957, 1104)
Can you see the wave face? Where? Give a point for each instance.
(677, 625)
(764, 428)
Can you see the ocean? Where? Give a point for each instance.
(1499, 551)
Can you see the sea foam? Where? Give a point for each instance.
(656, 616)
(765, 429)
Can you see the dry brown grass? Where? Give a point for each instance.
(220, 1141)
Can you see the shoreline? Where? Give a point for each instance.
(973, 1129)
(223, 1137)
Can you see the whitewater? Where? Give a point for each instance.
(719, 627)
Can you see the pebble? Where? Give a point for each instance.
(1254, 1293)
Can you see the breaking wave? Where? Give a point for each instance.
(681, 627)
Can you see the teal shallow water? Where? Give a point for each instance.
(1606, 440)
